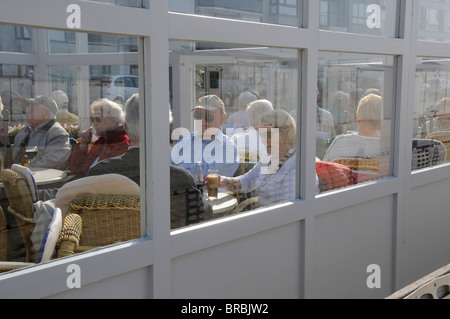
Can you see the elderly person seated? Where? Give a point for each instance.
(185, 198)
(44, 134)
(207, 144)
(108, 119)
(273, 180)
(366, 142)
(63, 115)
(248, 143)
(239, 118)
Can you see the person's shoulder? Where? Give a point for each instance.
(179, 174)
(179, 170)
(58, 127)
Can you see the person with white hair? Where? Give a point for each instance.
(107, 118)
(63, 115)
(274, 181)
(186, 201)
(239, 118)
(248, 143)
(44, 134)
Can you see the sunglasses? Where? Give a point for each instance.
(96, 119)
(201, 115)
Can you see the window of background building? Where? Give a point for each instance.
(237, 76)
(73, 85)
(431, 120)
(371, 17)
(66, 42)
(354, 115)
(16, 39)
(285, 12)
(434, 21)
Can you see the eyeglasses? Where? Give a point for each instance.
(96, 119)
(201, 115)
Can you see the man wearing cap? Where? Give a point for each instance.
(44, 134)
(208, 144)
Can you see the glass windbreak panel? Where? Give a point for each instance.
(62, 135)
(355, 109)
(16, 39)
(434, 20)
(285, 12)
(233, 118)
(73, 42)
(371, 17)
(431, 124)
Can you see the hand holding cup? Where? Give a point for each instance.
(212, 182)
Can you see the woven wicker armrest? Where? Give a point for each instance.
(107, 219)
(20, 205)
(69, 238)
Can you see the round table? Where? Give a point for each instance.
(44, 176)
(223, 204)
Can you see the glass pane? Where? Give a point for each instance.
(372, 17)
(73, 42)
(126, 3)
(224, 103)
(276, 12)
(431, 113)
(434, 21)
(354, 115)
(62, 136)
(16, 39)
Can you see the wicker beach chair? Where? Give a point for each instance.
(364, 169)
(103, 219)
(21, 206)
(427, 152)
(444, 138)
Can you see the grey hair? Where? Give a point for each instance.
(256, 109)
(109, 109)
(284, 122)
(132, 117)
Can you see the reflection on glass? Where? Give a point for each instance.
(434, 20)
(16, 39)
(285, 12)
(67, 123)
(354, 114)
(73, 42)
(17, 84)
(372, 17)
(234, 110)
(125, 3)
(431, 112)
